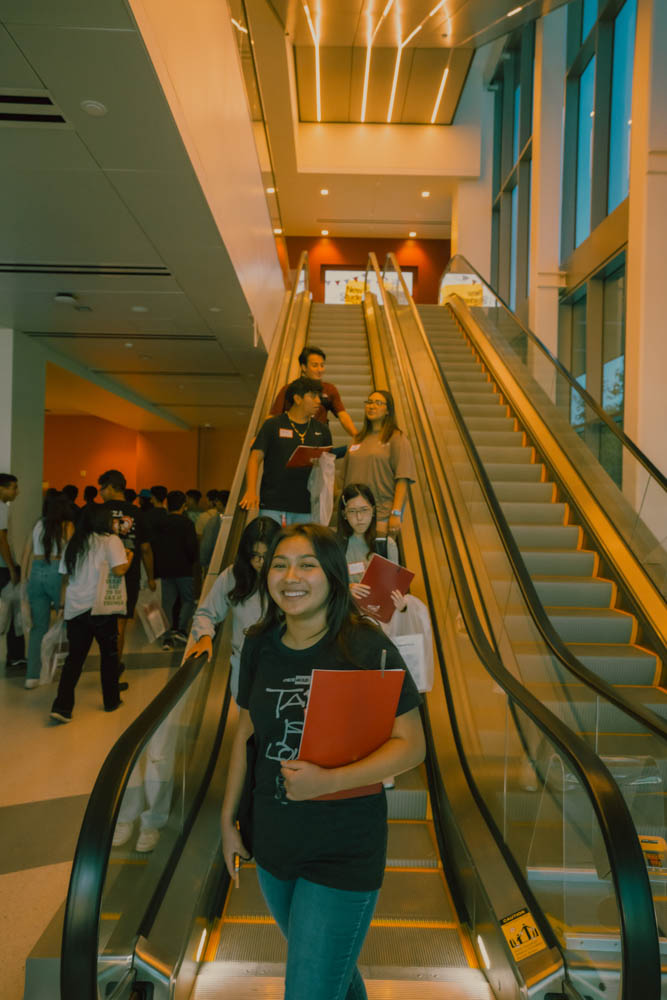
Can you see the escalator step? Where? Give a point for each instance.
(569, 591)
(618, 663)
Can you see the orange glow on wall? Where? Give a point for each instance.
(429, 258)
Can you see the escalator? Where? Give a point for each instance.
(457, 916)
(570, 633)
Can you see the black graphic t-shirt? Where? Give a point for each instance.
(283, 488)
(340, 843)
(129, 527)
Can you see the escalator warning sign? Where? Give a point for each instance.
(522, 934)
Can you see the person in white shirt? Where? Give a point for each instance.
(9, 571)
(93, 549)
(41, 568)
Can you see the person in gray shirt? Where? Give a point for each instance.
(235, 590)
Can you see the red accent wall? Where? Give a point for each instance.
(427, 258)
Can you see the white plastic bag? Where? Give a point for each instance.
(54, 650)
(26, 611)
(111, 598)
(5, 607)
(411, 633)
(10, 608)
(321, 488)
(150, 614)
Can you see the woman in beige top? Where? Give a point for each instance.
(381, 456)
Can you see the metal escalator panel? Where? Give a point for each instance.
(546, 808)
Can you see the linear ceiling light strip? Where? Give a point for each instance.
(394, 83)
(439, 97)
(316, 42)
(369, 45)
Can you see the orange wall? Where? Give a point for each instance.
(78, 449)
(428, 257)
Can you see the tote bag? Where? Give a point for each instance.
(111, 597)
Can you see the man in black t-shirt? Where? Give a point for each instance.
(130, 530)
(284, 494)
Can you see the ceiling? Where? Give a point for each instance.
(103, 202)
(109, 210)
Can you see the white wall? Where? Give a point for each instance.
(194, 53)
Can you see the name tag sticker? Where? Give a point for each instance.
(285, 432)
(354, 447)
(354, 568)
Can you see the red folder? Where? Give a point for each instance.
(383, 576)
(349, 714)
(305, 454)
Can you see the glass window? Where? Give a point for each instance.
(513, 245)
(585, 152)
(517, 122)
(613, 372)
(589, 13)
(621, 104)
(578, 362)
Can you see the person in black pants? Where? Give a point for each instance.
(93, 550)
(178, 553)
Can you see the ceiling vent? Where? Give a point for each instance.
(110, 270)
(29, 108)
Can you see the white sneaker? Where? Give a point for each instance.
(31, 682)
(121, 834)
(147, 840)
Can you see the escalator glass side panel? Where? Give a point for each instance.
(630, 488)
(156, 804)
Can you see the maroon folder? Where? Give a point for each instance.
(350, 714)
(383, 576)
(305, 454)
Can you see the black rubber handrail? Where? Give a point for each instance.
(627, 442)
(645, 716)
(79, 952)
(639, 935)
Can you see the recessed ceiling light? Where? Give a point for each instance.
(128, 343)
(65, 298)
(208, 425)
(426, 194)
(83, 309)
(324, 191)
(214, 309)
(146, 357)
(277, 231)
(94, 108)
(412, 234)
(325, 232)
(139, 309)
(270, 190)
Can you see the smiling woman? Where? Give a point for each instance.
(320, 863)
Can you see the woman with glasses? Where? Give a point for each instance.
(357, 531)
(381, 456)
(320, 863)
(235, 590)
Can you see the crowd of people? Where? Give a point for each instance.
(318, 834)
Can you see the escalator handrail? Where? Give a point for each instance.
(639, 936)
(80, 940)
(592, 403)
(649, 719)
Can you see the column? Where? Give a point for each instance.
(22, 388)
(646, 343)
(545, 277)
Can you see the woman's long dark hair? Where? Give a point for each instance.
(55, 515)
(264, 530)
(93, 520)
(389, 425)
(342, 615)
(344, 528)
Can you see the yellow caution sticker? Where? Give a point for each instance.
(655, 851)
(522, 934)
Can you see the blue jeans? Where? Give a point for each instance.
(325, 930)
(183, 587)
(290, 517)
(43, 593)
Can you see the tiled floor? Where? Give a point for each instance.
(47, 773)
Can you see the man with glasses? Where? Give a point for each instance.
(312, 360)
